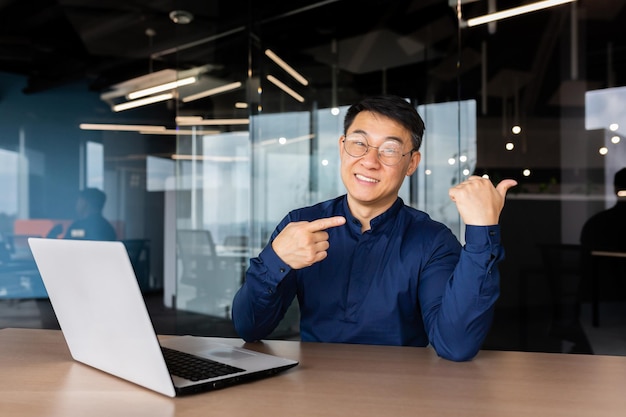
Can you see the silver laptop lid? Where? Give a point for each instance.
(100, 310)
(103, 316)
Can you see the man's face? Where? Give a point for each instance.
(371, 184)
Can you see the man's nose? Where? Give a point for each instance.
(371, 157)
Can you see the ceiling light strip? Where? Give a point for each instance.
(515, 11)
(284, 87)
(161, 87)
(123, 128)
(212, 91)
(142, 102)
(181, 132)
(210, 158)
(187, 121)
(295, 74)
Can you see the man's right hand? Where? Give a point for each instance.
(301, 244)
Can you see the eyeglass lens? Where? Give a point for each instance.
(390, 152)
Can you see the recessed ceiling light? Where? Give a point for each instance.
(181, 17)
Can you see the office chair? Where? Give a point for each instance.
(236, 243)
(196, 250)
(213, 278)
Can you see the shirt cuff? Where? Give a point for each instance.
(276, 268)
(481, 238)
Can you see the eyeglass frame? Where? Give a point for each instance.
(367, 149)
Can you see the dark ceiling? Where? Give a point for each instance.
(409, 47)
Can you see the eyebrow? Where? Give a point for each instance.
(392, 138)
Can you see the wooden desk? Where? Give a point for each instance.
(40, 379)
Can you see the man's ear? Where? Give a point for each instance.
(415, 161)
(340, 143)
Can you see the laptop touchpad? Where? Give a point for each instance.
(227, 353)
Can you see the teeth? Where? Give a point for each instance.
(363, 178)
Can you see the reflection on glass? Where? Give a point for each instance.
(212, 208)
(9, 180)
(604, 112)
(95, 165)
(449, 155)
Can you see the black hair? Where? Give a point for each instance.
(393, 107)
(94, 197)
(619, 181)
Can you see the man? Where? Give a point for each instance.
(606, 230)
(91, 224)
(368, 269)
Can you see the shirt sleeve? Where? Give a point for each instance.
(458, 308)
(266, 294)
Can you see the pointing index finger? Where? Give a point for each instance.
(326, 223)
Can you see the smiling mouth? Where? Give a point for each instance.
(366, 179)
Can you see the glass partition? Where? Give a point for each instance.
(448, 158)
(212, 220)
(196, 183)
(243, 184)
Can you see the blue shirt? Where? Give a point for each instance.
(406, 281)
(92, 227)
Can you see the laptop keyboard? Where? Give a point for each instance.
(195, 368)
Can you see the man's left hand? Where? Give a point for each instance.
(478, 201)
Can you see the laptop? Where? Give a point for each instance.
(105, 322)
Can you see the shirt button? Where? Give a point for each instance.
(282, 270)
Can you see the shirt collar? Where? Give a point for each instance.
(379, 222)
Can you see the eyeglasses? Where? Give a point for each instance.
(389, 153)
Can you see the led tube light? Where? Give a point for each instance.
(285, 88)
(212, 91)
(123, 128)
(182, 132)
(515, 11)
(295, 74)
(142, 102)
(189, 121)
(161, 87)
